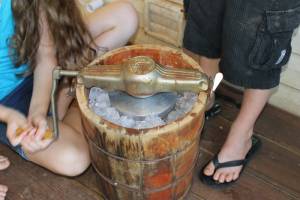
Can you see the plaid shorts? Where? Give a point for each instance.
(252, 38)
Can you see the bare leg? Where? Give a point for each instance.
(113, 25)
(68, 155)
(63, 99)
(210, 66)
(4, 163)
(238, 141)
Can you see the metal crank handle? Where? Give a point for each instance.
(56, 76)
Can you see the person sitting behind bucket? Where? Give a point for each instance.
(35, 37)
(250, 41)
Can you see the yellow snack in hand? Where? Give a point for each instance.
(48, 133)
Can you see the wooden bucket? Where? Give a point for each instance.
(152, 164)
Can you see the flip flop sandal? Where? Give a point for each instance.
(208, 180)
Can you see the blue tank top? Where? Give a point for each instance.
(9, 78)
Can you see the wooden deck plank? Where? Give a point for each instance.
(89, 180)
(193, 196)
(273, 164)
(27, 181)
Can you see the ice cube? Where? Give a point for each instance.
(141, 125)
(94, 92)
(153, 121)
(99, 111)
(112, 114)
(126, 121)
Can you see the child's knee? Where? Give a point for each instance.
(130, 15)
(72, 162)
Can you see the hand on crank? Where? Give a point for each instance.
(40, 138)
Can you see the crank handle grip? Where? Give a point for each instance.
(217, 80)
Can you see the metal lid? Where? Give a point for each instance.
(159, 104)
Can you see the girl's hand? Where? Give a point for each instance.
(16, 120)
(37, 141)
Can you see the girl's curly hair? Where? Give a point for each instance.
(71, 38)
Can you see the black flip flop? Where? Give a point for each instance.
(208, 180)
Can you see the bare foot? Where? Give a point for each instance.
(236, 147)
(4, 163)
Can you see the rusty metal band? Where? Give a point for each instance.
(138, 161)
(132, 189)
(173, 160)
(183, 196)
(141, 181)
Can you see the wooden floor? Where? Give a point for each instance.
(274, 173)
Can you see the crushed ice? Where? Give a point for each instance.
(99, 102)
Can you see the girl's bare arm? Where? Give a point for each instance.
(46, 62)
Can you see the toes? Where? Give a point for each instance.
(217, 175)
(229, 177)
(222, 178)
(4, 163)
(2, 195)
(3, 158)
(3, 189)
(209, 169)
(235, 176)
